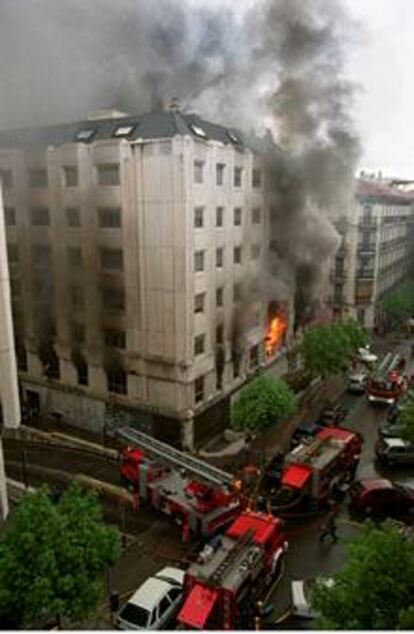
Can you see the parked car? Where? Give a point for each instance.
(390, 430)
(394, 451)
(357, 382)
(155, 602)
(332, 414)
(301, 591)
(379, 499)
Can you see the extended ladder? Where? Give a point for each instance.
(173, 456)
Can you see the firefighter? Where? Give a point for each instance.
(329, 526)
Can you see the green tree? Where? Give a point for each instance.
(262, 402)
(327, 349)
(376, 588)
(52, 558)
(406, 418)
(398, 304)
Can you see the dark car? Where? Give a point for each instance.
(332, 414)
(304, 431)
(379, 499)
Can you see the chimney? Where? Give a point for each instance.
(175, 105)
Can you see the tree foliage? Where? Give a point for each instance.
(406, 418)
(52, 556)
(262, 402)
(376, 588)
(327, 349)
(398, 304)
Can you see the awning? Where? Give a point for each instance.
(296, 476)
(198, 606)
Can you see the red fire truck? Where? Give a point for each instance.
(198, 496)
(315, 469)
(387, 383)
(232, 572)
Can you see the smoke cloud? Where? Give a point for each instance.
(278, 64)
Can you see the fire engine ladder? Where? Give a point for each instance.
(389, 362)
(218, 574)
(173, 456)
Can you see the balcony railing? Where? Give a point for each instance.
(365, 274)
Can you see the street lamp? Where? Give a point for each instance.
(9, 393)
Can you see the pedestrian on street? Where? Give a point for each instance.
(329, 527)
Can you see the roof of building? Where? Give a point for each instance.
(381, 191)
(153, 125)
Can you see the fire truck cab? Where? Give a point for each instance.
(314, 470)
(232, 572)
(387, 384)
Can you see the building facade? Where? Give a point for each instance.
(133, 245)
(373, 256)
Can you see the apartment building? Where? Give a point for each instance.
(373, 256)
(132, 242)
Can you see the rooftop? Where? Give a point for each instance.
(381, 191)
(153, 125)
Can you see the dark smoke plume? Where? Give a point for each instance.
(277, 65)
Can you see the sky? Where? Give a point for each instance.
(380, 62)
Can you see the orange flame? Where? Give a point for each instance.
(276, 329)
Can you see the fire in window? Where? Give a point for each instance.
(277, 325)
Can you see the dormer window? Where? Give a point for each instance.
(233, 138)
(198, 131)
(123, 130)
(85, 135)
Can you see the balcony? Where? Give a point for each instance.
(365, 274)
(367, 225)
(366, 247)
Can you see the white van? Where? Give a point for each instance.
(153, 605)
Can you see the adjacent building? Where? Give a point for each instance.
(133, 245)
(373, 256)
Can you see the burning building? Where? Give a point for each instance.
(136, 249)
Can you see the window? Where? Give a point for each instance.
(78, 331)
(237, 216)
(220, 333)
(10, 216)
(164, 606)
(256, 216)
(254, 357)
(220, 173)
(73, 217)
(219, 297)
(255, 251)
(219, 216)
(199, 344)
(113, 298)
(77, 297)
(237, 179)
(116, 381)
(237, 255)
(13, 252)
(40, 217)
(219, 258)
(109, 218)
(75, 256)
(123, 130)
(174, 594)
(233, 138)
(198, 131)
(256, 177)
(70, 175)
(112, 259)
(199, 389)
(198, 171)
(42, 255)
(15, 288)
(237, 292)
(83, 373)
(85, 134)
(6, 178)
(38, 178)
(199, 303)
(198, 217)
(199, 261)
(108, 174)
(115, 338)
